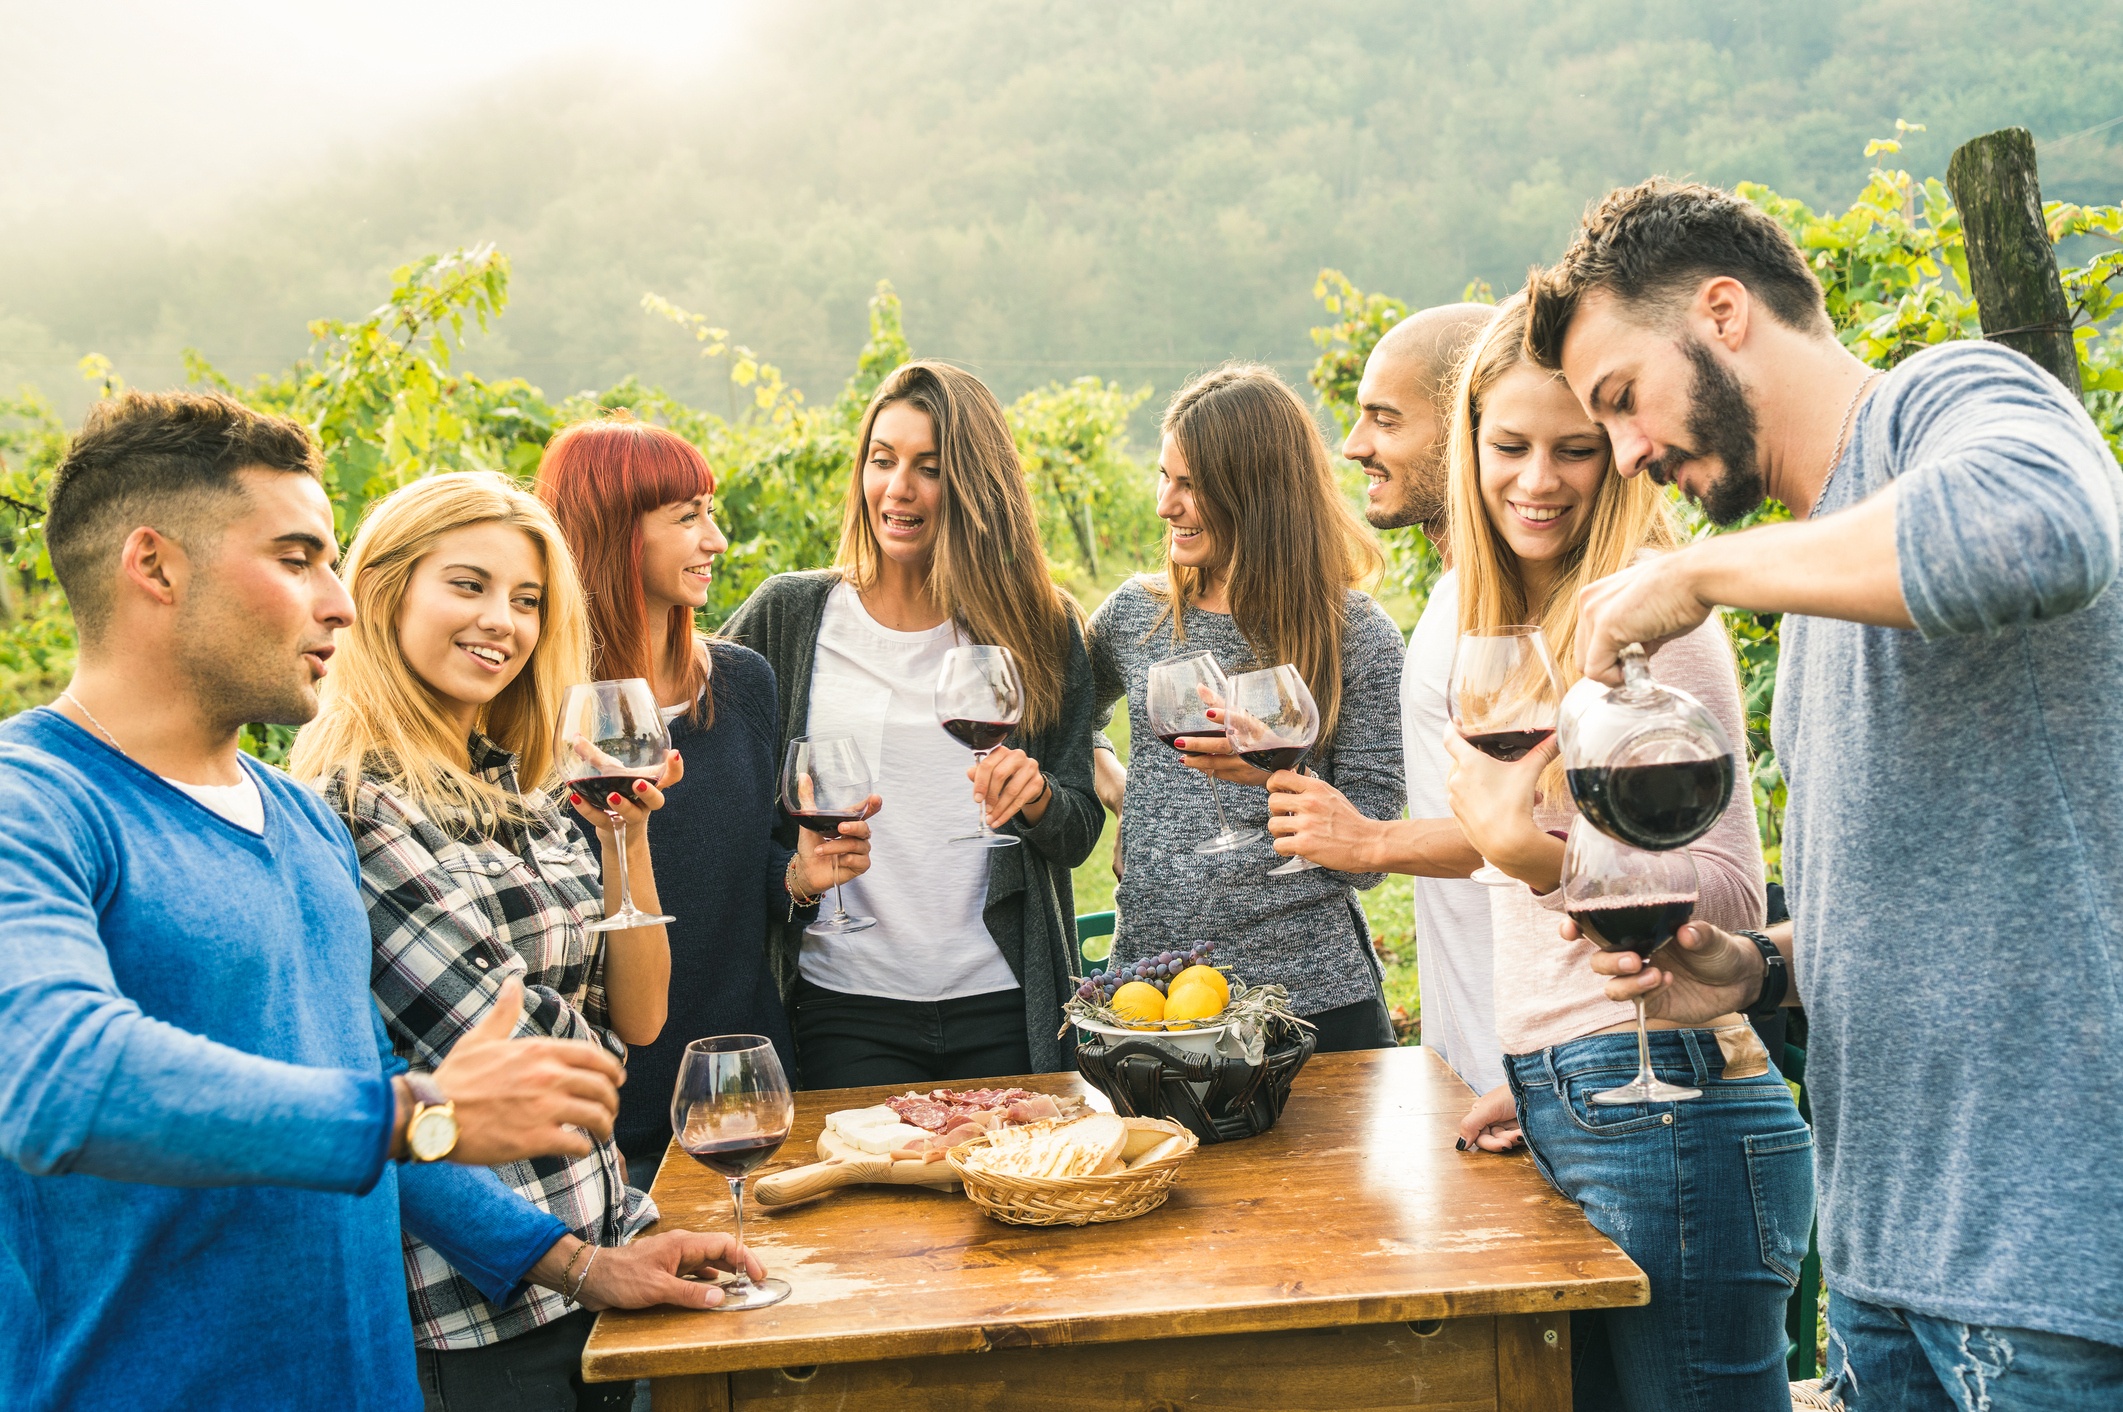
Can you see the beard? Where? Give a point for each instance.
(1422, 496)
(1721, 425)
(238, 674)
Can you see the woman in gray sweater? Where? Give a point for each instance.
(1263, 566)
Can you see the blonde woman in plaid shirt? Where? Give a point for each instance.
(440, 711)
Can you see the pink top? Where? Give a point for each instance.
(1546, 990)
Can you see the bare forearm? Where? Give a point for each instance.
(1423, 848)
(637, 965)
(1843, 565)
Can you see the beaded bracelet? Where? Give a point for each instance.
(569, 1269)
(797, 896)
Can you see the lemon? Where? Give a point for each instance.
(1138, 1000)
(1193, 1002)
(1208, 976)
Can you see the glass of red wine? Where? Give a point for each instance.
(1181, 691)
(980, 698)
(1502, 699)
(732, 1110)
(1629, 899)
(1273, 721)
(1647, 763)
(612, 735)
(826, 782)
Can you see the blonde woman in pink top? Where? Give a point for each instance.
(1712, 1197)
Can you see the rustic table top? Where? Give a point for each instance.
(1354, 1209)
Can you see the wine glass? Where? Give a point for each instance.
(980, 698)
(1503, 698)
(611, 735)
(731, 1110)
(1181, 691)
(1273, 721)
(826, 782)
(1629, 899)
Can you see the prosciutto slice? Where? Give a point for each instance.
(953, 1116)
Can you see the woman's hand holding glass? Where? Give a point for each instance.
(1216, 756)
(633, 809)
(1006, 783)
(825, 862)
(1493, 800)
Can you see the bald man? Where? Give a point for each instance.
(1401, 441)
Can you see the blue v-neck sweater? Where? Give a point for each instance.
(197, 1208)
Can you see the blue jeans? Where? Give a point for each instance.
(1890, 1360)
(1713, 1199)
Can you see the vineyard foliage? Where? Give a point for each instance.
(388, 404)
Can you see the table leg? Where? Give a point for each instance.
(1533, 1362)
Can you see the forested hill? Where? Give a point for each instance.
(1127, 187)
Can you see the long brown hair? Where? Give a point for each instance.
(600, 477)
(376, 715)
(990, 570)
(1288, 543)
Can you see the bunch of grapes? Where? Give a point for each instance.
(1155, 970)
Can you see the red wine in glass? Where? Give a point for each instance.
(609, 738)
(979, 736)
(1639, 924)
(1178, 693)
(734, 1159)
(595, 789)
(1662, 805)
(826, 822)
(1274, 757)
(1274, 721)
(1205, 733)
(1509, 745)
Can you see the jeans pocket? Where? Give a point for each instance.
(1780, 1176)
(1610, 1119)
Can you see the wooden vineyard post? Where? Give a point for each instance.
(2011, 264)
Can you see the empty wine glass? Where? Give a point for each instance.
(826, 782)
(1629, 899)
(1273, 721)
(731, 1110)
(1181, 691)
(611, 735)
(980, 698)
(1503, 698)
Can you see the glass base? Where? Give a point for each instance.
(627, 917)
(1228, 840)
(752, 1294)
(1295, 865)
(988, 840)
(1490, 875)
(1646, 1089)
(840, 926)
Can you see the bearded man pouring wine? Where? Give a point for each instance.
(1948, 724)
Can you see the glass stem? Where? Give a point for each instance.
(619, 840)
(742, 1281)
(840, 907)
(1644, 1077)
(982, 804)
(1216, 797)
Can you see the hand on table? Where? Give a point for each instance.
(1007, 782)
(1492, 1124)
(635, 810)
(817, 858)
(649, 1271)
(517, 1098)
(1703, 973)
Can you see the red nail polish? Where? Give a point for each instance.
(574, 798)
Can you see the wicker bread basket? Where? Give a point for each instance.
(1078, 1201)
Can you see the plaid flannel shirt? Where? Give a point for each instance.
(453, 918)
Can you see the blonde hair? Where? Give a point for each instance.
(377, 717)
(990, 570)
(1287, 541)
(1629, 514)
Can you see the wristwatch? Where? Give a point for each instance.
(431, 1133)
(1776, 977)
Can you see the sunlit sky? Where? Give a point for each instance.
(163, 106)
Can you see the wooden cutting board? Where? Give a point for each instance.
(843, 1164)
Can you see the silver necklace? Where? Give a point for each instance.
(1835, 458)
(69, 696)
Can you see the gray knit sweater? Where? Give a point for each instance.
(1303, 931)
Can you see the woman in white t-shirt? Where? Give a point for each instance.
(965, 973)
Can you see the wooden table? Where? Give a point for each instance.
(1348, 1259)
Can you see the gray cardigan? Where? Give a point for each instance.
(1031, 907)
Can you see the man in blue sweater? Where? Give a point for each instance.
(198, 1106)
(1947, 718)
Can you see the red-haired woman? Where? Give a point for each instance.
(637, 504)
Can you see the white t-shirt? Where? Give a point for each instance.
(926, 893)
(1452, 934)
(241, 804)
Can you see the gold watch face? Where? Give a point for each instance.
(433, 1134)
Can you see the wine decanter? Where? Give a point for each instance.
(1648, 764)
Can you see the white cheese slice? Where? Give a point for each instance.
(885, 1137)
(848, 1119)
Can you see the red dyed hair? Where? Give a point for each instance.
(599, 478)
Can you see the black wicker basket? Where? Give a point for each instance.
(1149, 1077)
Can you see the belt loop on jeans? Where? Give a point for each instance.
(1555, 1080)
(1696, 1061)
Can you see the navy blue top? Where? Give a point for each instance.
(719, 872)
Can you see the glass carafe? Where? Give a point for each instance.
(1648, 764)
